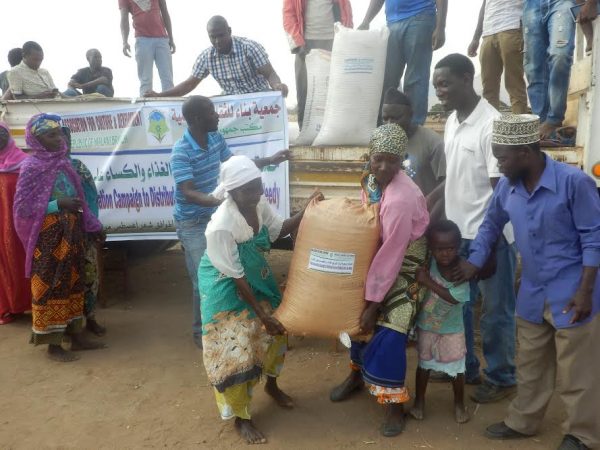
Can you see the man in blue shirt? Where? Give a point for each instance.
(555, 211)
(417, 28)
(195, 162)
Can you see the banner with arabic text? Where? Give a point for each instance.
(127, 149)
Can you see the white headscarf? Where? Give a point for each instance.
(235, 172)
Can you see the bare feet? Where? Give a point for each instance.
(280, 397)
(80, 343)
(57, 353)
(461, 415)
(350, 385)
(248, 431)
(394, 420)
(418, 410)
(94, 327)
(546, 130)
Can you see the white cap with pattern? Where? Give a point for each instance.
(516, 129)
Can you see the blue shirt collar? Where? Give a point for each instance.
(190, 139)
(547, 180)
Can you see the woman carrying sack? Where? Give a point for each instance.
(241, 340)
(391, 291)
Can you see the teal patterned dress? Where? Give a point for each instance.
(236, 347)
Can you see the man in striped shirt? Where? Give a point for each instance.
(239, 65)
(195, 162)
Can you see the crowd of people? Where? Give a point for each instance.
(454, 212)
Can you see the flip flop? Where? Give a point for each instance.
(561, 137)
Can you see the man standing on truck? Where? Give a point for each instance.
(239, 65)
(417, 28)
(501, 51)
(28, 80)
(195, 162)
(472, 173)
(309, 25)
(154, 42)
(555, 211)
(549, 38)
(426, 163)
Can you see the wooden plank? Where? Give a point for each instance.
(581, 76)
(326, 166)
(568, 155)
(334, 153)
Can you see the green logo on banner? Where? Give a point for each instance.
(157, 125)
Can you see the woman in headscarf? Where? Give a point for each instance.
(93, 243)
(391, 292)
(238, 292)
(15, 294)
(51, 218)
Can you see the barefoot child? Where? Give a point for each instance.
(440, 333)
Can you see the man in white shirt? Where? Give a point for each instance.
(28, 79)
(471, 174)
(501, 51)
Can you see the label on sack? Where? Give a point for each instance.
(359, 65)
(331, 262)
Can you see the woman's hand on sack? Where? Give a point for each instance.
(273, 326)
(368, 319)
(70, 204)
(316, 194)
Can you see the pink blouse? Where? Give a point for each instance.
(404, 218)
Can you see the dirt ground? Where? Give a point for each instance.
(149, 388)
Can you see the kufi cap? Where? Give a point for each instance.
(516, 129)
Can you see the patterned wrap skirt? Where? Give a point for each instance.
(57, 282)
(236, 348)
(382, 360)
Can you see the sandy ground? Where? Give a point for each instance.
(149, 388)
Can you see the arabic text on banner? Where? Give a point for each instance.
(127, 149)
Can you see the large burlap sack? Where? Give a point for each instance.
(317, 72)
(324, 295)
(355, 85)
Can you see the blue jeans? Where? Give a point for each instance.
(409, 53)
(549, 40)
(497, 322)
(191, 235)
(103, 89)
(148, 51)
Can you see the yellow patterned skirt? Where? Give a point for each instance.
(235, 400)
